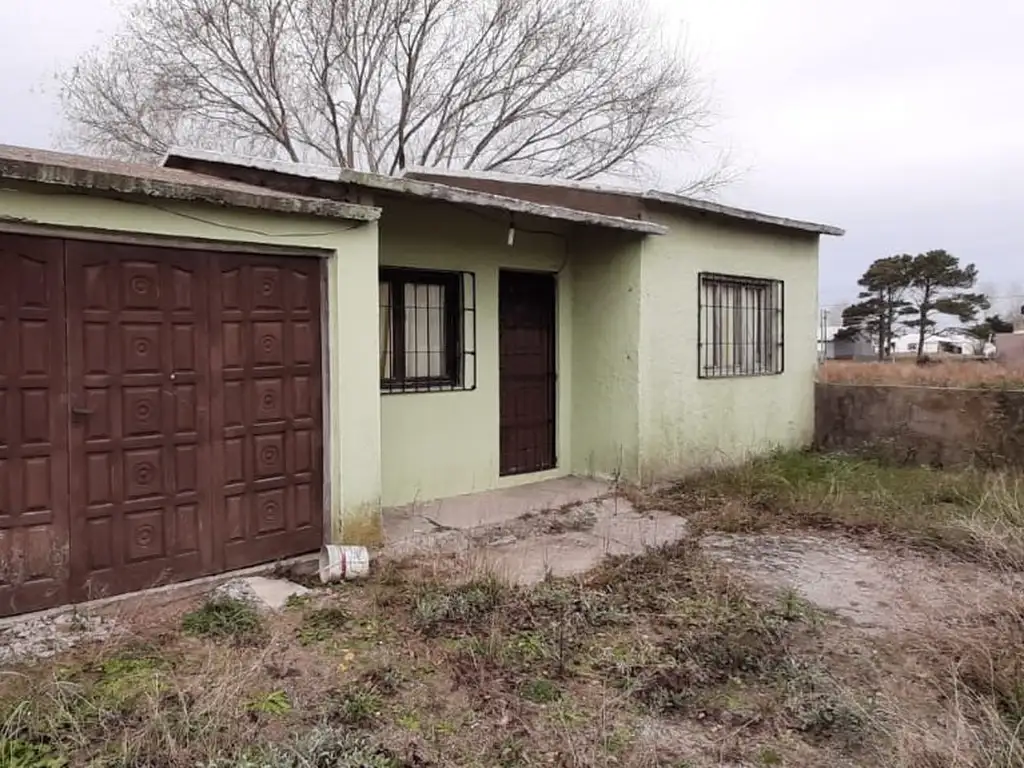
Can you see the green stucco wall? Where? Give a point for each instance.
(686, 423)
(438, 444)
(606, 269)
(629, 402)
(351, 408)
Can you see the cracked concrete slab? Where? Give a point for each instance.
(489, 508)
(557, 528)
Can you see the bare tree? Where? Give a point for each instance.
(571, 88)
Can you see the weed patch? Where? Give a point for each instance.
(123, 680)
(457, 607)
(321, 624)
(977, 515)
(272, 703)
(321, 747)
(226, 619)
(16, 753)
(357, 707)
(540, 691)
(650, 660)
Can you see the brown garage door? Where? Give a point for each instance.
(265, 354)
(33, 426)
(191, 416)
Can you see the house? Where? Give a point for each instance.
(946, 341)
(833, 344)
(1010, 346)
(219, 363)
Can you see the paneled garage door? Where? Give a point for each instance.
(183, 394)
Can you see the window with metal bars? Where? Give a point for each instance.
(427, 330)
(740, 329)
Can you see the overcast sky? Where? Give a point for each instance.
(901, 121)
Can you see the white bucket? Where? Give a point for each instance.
(338, 562)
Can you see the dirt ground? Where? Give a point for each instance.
(876, 588)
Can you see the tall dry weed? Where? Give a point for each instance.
(944, 373)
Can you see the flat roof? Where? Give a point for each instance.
(406, 186)
(85, 174)
(649, 195)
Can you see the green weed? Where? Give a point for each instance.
(272, 703)
(462, 605)
(978, 515)
(226, 619)
(540, 691)
(358, 707)
(321, 624)
(17, 753)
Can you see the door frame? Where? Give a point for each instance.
(331, 496)
(555, 384)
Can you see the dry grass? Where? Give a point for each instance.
(941, 373)
(419, 669)
(975, 675)
(661, 660)
(970, 665)
(975, 514)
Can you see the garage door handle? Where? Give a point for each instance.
(81, 411)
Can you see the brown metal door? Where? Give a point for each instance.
(265, 356)
(526, 365)
(138, 380)
(33, 426)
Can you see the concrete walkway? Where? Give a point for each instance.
(558, 527)
(490, 507)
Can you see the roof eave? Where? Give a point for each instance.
(423, 189)
(653, 195)
(455, 195)
(111, 183)
(707, 206)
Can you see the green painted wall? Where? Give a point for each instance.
(606, 268)
(352, 429)
(439, 444)
(688, 423)
(629, 400)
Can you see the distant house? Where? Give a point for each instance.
(948, 341)
(834, 345)
(1010, 346)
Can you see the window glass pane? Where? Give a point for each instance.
(387, 333)
(425, 344)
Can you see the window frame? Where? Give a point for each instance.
(454, 310)
(768, 349)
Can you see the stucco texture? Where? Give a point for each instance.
(438, 444)
(606, 384)
(687, 423)
(630, 404)
(351, 411)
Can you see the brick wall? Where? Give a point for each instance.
(940, 426)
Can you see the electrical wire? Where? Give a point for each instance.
(251, 230)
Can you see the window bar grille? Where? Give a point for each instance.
(739, 326)
(427, 330)
(467, 341)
